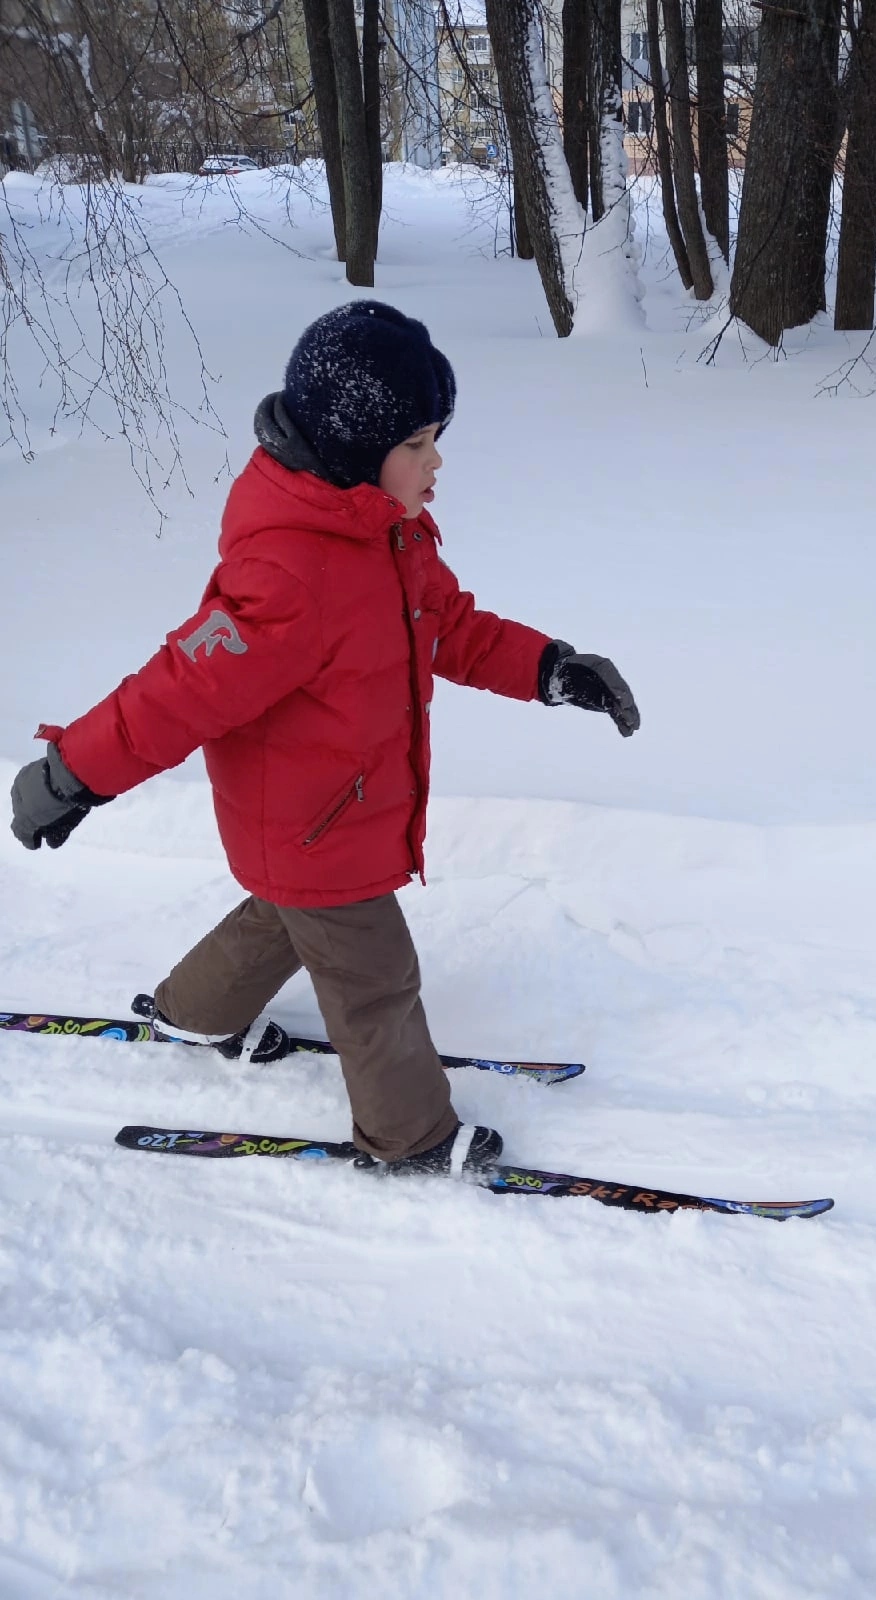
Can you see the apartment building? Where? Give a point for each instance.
(468, 87)
(740, 58)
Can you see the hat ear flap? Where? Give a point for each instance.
(446, 386)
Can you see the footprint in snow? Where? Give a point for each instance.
(381, 1478)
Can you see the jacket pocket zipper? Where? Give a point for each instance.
(356, 791)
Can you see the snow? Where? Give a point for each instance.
(264, 1380)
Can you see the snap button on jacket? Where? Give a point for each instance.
(307, 682)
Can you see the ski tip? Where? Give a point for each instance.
(545, 1072)
(777, 1210)
(562, 1074)
(133, 1134)
(538, 1072)
(805, 1208)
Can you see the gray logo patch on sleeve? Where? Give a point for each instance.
(217, 629)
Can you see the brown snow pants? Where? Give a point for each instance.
(364, 969)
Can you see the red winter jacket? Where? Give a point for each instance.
(306, 674)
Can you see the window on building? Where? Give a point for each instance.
(457, 77)
(732, 44)
(639, 47)
(639, 117)
(740, 45)
(733, 119)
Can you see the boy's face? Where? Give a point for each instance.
(408, 472)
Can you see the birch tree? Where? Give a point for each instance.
(606, 111)
(593, 113)
(557, 221)
(103, 321)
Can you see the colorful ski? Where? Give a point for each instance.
(142, 1032)
(499, 1179)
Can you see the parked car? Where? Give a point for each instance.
(226, 166)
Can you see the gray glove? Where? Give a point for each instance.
(592, 682)
(48, 802)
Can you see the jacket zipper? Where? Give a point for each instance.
(416, 851)
(356, 791)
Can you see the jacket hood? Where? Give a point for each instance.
(277, 433)
(271, 499)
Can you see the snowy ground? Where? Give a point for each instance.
(261, 1380)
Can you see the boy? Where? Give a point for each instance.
(306, 675)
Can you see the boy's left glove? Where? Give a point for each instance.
(591, 682)
(48, 802)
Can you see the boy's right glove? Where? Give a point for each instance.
(591, 682)
(48, 802)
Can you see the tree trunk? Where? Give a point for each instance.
(371, 91)
(612, 155)
(325, 92)
(576, 108)
(856, 266)
(604, 94)
(664, 150)
(130, 162)
(683, 164)
(850, 9)
(779, 272)
(554, 216)
(354, 143)
(712, 121)
(521, 235)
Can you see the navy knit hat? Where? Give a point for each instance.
(361, 380)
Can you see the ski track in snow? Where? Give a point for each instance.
(258, 1380)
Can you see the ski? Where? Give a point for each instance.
(143, 1032)
(498, 1179)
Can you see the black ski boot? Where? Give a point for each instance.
(272, 1044)
(463, 1154)
(271, 1041)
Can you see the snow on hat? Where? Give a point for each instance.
(361, 380)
